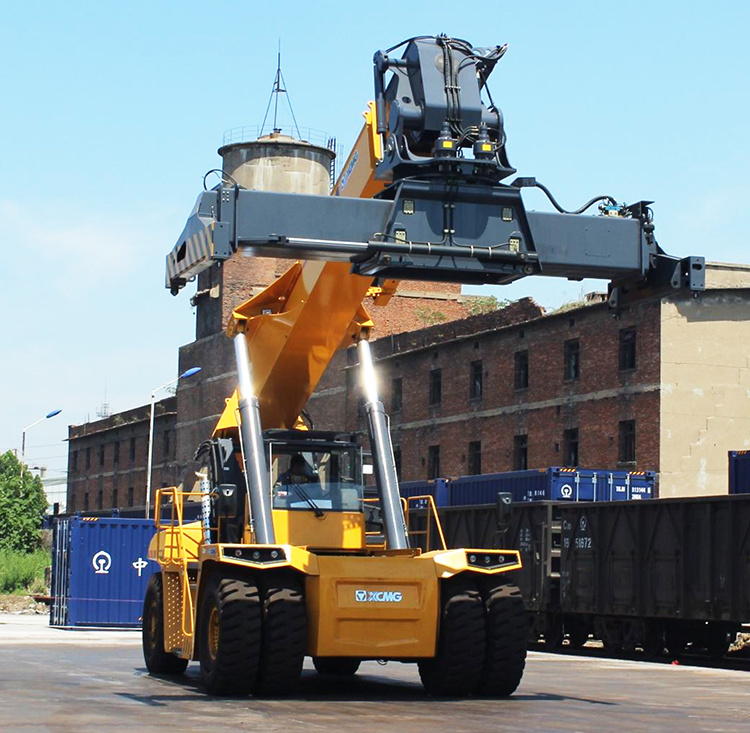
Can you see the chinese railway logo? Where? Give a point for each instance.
(139, 564)
(101, 562)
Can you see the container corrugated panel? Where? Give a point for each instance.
(739, 472)
(437, 488)
(470, 490)
(107, 571)
(553, 484)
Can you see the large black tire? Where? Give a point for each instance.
(157, 660)
(284, 634)
(336, 666)
(230, 636)
(456, 669)
(507, 629)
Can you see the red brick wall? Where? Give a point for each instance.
(126, 472)
(594, 403)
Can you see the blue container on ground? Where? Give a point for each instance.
(437, 489)
(739, 472)
(100, 571)
(553, 484)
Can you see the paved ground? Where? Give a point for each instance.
(60, 680)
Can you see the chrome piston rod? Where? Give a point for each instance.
(396, 535)
(254, 453)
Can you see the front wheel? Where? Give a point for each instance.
(457, 667)
(230, 636)
(507, 629)
(158, 661)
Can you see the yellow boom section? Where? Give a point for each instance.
(295, 326)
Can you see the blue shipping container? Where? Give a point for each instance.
(437, 489)
(100, 570)
(739, 472)
(553, 484)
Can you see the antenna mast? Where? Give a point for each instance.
(279, 87)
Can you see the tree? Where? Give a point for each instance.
(22, 505)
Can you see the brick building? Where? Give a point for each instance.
(107, 458)
(665, 386)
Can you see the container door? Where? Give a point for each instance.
(59, 574)
(109, 571)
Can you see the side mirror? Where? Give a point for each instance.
(226, 501)
(504, 510)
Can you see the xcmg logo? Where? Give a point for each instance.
(378, 596)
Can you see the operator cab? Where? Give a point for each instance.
(317, 488)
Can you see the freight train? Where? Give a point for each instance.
(665, 574)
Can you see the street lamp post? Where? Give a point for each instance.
(188, 373)
(23, 436)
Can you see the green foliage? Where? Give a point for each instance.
(429, 316)
(478, 304)
(569, 306)
(22, 505)
(22, 572)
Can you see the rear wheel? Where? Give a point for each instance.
(284, 634)
(230, 636)
(506, 625)
(457, 667)
(336, 666)
(158, 661)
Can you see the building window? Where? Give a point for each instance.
(474, 466)
(433, 462)
(116, 457)
(397, 460)
(572, 358)
(475, 380)
(132, 449)
(99, 499)
(115, 505)
(520, 452)
(360, 407)
(86, 502)
(72, 504)
(627, 441)
(88, 457)
(436, 386)
(166, 444)
(570, 447)
(627, 349)
(101, 455)
(130, 496)
(74, 461)
(397, 394)
(521, 370)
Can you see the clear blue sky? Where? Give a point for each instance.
(111, 113)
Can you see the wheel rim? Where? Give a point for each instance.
(213, 634)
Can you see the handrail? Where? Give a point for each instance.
(177, 502)
(432, 509)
